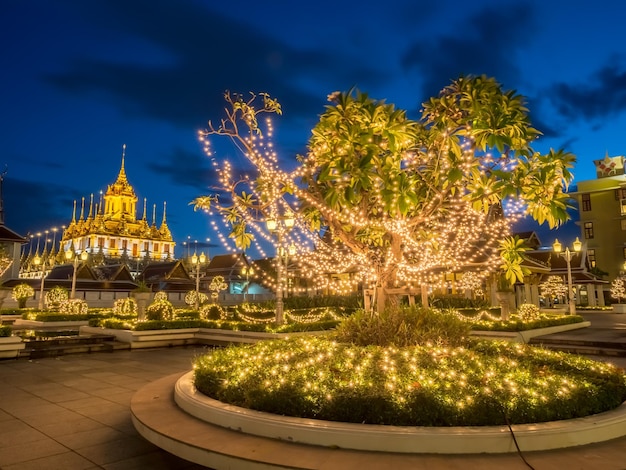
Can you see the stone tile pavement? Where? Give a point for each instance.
(72, 412)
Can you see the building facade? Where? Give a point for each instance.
(602, 211)
(112, 230)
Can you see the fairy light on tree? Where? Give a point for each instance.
(400, 201)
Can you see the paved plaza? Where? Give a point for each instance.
(72, 412)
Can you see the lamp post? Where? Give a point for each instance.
(38, 260)
(274, 226)
(247, 271)
(567, 254)
(197, 261)
(68, 256)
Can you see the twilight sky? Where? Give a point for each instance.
(81, 78)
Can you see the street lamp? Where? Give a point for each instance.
(273, 226)
(38, 260)
(247, 271)
(577, 245)
(68, 256)
(197, 261)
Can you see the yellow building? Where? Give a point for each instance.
(602, 210)
(111, 229)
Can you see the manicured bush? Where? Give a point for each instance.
(125, 306)
(457, 301)
(528, 312)
(5, 330)
(160, 310)
(55, 296)
(211, 312)
(517, 324)
(403, 326)
(73, 307)
(21, 293)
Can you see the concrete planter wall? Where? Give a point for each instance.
(10, 346)
(619, 308)
(526, 336)
(185, 336)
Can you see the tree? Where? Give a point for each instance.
(553, 287)
(407, 201)
(617, 289)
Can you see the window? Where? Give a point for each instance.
(586, 202)
(588, 230)
(112, 243)
(100, 242)
(591, 257)
(620, 194)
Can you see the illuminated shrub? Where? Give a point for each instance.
(528, 312)
(126, 306)
(73, 307)
(212, 312)
(160, 310)
(160, 296)
(21, 293)
(481, 383)
(191, 297)
(403, 327)
(55, 296)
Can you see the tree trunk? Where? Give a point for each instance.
(424, 289)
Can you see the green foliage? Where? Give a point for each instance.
(125, 306)
(5, 330)
(142, 287)
(517, 323)
(383, 185)
(73, 307)
(113, 323)
(456, 301)
(21, 293)
(353, 301)
(55, 297)
(403, 327)
(160, 310)
(211, 312)
(512, 251)
(411, 386)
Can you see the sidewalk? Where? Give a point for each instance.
(72, 412)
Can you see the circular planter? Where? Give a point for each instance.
(402, 439)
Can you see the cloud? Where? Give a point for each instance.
(51, 202)
(486, 44)
(184, 168)
(179, 59)
(602, 95)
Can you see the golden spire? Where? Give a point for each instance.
(164, 207)
(90, 206)
(82, 208)
(121, 177)
(154, 214)
(144, 208)
(74, 213)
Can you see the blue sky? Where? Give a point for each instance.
(82, 78)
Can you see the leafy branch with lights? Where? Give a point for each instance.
(402, 202)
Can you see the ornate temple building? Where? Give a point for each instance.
(111, 231)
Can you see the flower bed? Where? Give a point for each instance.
(486, 383)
